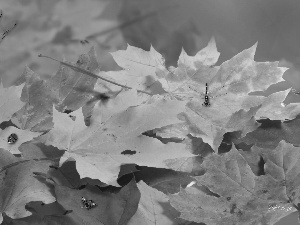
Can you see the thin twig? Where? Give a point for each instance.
(5, 31)
(91, 74)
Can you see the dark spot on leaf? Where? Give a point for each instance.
(233, 207)
(239, 213)
(68, 211)
(228, 198)
(152, 134)
(72, 117)
(128, 152)
(209, 192)
(264, 191)
(5, 124)
(261, 165)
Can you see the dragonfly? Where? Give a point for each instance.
(207, 96)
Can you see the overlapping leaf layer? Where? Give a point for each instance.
(89, 134)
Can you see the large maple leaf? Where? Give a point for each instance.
(219, 100)
(18, 186)
(100, 149)
(246, 198)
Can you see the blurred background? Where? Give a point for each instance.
(68, 28)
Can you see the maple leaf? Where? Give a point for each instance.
(18, 186)
(178, 80)
(98, 149)
(23, 136)
(140, 68)
(66, 83)
(136, 59)
(35, 115)
(225, 89)
(114, 209)
(9, 101)
(282, 163)
(246, 198)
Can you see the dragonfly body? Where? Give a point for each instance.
(206, 102)
(207, 95)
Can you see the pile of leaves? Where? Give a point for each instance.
(149, 144)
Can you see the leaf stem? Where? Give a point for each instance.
(91, 74)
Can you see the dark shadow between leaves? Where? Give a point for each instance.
(267, 124)
(261, 167)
